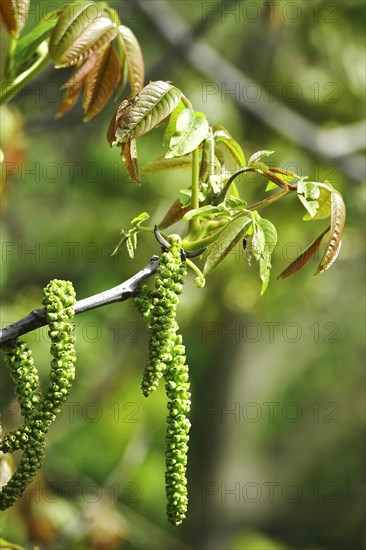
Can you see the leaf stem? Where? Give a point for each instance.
(269, 200)
(194, 223)
(10, 89)
(9, 64)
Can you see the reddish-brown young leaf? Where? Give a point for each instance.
(133, 58)
(338, 220)
(174, 214)
(100, 82)
(304, 257)
(72, 88)
(82, 28)
(129, 157)
(13, 14)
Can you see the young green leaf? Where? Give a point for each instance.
(325, 202)
(133, 58)
(303, 258)
(100, 83)
(160, 164)
(265, 270)
(256, 243)
(171, 126)
(191, 130)
(235, 150)
(229, 237)
(13, 14)
(270, 234)
(129, 158)
(308, 193)
(136, 222)
(258, 156)
(143, 112)
(82, 29)
(338, 220)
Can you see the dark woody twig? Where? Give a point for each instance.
(37, 318)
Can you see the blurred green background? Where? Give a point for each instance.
(277, 442)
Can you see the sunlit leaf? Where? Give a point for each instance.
(265, 270)
(136, 222)
(235, 150)
(308, 193)
(129, 158)
(191, 130)
(304, 257)
(72, 88)
(143, 112)
(100, 83)
(325, 205)
(338, 220)
(270, 186)
(160, 164)
(82, 29)
(229, 237)
(13, 15)
(133, 58)
(270, 234)
(258, 156)
(171, 126)
(256, 243)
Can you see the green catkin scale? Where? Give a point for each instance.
(40, 410)
(167, 358)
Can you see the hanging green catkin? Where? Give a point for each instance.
(25, 377)
(161, 321)
(177, 389)
(39, 410)
(59, 299)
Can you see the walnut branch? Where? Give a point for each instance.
(38, 318)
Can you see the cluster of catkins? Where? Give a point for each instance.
(39, 409)
(167, 359)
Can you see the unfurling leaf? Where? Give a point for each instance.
(13, 14)
(258, 156)
(304, 257)
(160, 164)
(133, 58)
(308, 193)
(338, 219)
(129, 158)
(83, 28)
(190, 130)
(100, 83)
(270, 234)
(72, 88)
(324, 202)
(140, 114)
(230, 235)
(235, 150)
